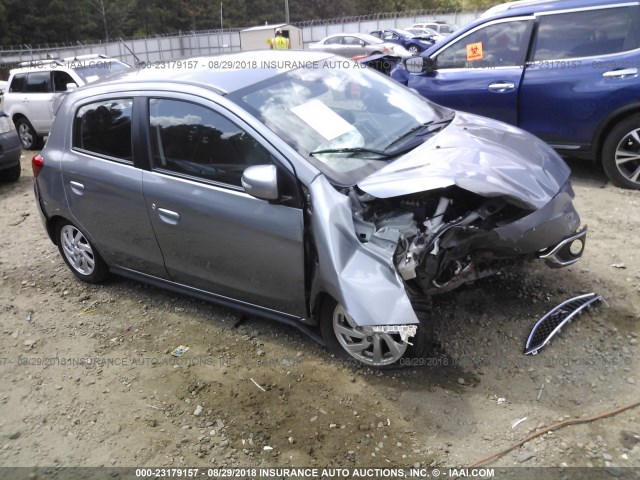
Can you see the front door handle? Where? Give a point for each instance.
(167, 216)
(626, 72)
(77, 188)
(502, 87)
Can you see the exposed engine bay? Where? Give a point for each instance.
(440, 239)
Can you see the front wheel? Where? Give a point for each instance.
(350, 341)
(28, 136)
(79, 254)
(413, 50)
(621, 154)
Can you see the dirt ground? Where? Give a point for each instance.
(86, 378)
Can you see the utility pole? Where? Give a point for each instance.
(221, 27)
(286, 11)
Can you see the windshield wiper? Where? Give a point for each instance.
(353, 150)
(429, 127)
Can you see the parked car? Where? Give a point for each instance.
(426, 33)
(10, 150)
(33, 86)
(310, 191)
(443, 28)
(576, 87)
(3, 87)
(352, 45)
(413, 43)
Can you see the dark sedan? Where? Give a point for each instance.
(10, 150)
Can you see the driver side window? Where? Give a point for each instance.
(499, 45)
(193, 140)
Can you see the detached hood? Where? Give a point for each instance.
(480, 155)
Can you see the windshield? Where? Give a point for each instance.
(340, 105)
(369, 38)
(95, 70)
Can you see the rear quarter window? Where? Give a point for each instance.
(588, 33)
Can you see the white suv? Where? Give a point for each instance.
(32, 88)
(442, 28)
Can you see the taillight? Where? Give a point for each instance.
(37, 163)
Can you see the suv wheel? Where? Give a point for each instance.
(28, 136)
(621, 154)
(349, 341)
(80, 256)
(11, 174)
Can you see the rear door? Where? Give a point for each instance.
(104, 188)
(480, 72)
(584, 67)
(214, 236)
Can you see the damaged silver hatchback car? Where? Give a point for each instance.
(301, 187)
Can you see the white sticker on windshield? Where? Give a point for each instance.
(322, 119)
(92, 78)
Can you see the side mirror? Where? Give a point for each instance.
(261, 181)
(362, 43)
(71, 86)
(420, 65)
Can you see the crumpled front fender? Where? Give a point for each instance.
(361, 277)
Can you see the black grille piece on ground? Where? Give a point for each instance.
(554, 320)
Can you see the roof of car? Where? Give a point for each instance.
(525, 7)
(224, 73)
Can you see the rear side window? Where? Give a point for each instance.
(499, 45)
(18, 83)
(104, 128)
(194, 140)
(38, 82)
(587, 34)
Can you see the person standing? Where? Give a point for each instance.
(279, 42)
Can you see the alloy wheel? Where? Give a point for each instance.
(362, 343)
(627, 156)
(77, 250)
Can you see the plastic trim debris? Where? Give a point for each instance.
(555, 319)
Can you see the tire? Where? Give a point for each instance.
(621, 154)
(11, 174)
(28, 136)
(413, 50)
(79, 254)
(339, 332)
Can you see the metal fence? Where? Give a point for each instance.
(210, 42)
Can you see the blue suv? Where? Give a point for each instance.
(564, 70)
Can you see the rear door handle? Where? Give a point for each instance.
(167, 216)
(502, 86)
(626, 72)
(77, 187)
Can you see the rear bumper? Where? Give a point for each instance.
(10, 150)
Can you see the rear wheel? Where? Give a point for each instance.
(28, 136)
(11, 174)
(79, 254)
(350, 341)
(621, 154)
(414, 50)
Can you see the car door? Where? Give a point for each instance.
(38, 100)
(353, 46)
(480, 72)
(103, 187)
(213, 235)
(584, 67)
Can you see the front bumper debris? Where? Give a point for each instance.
(553, 321)
(565, 253)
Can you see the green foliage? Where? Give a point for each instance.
(41, 22)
